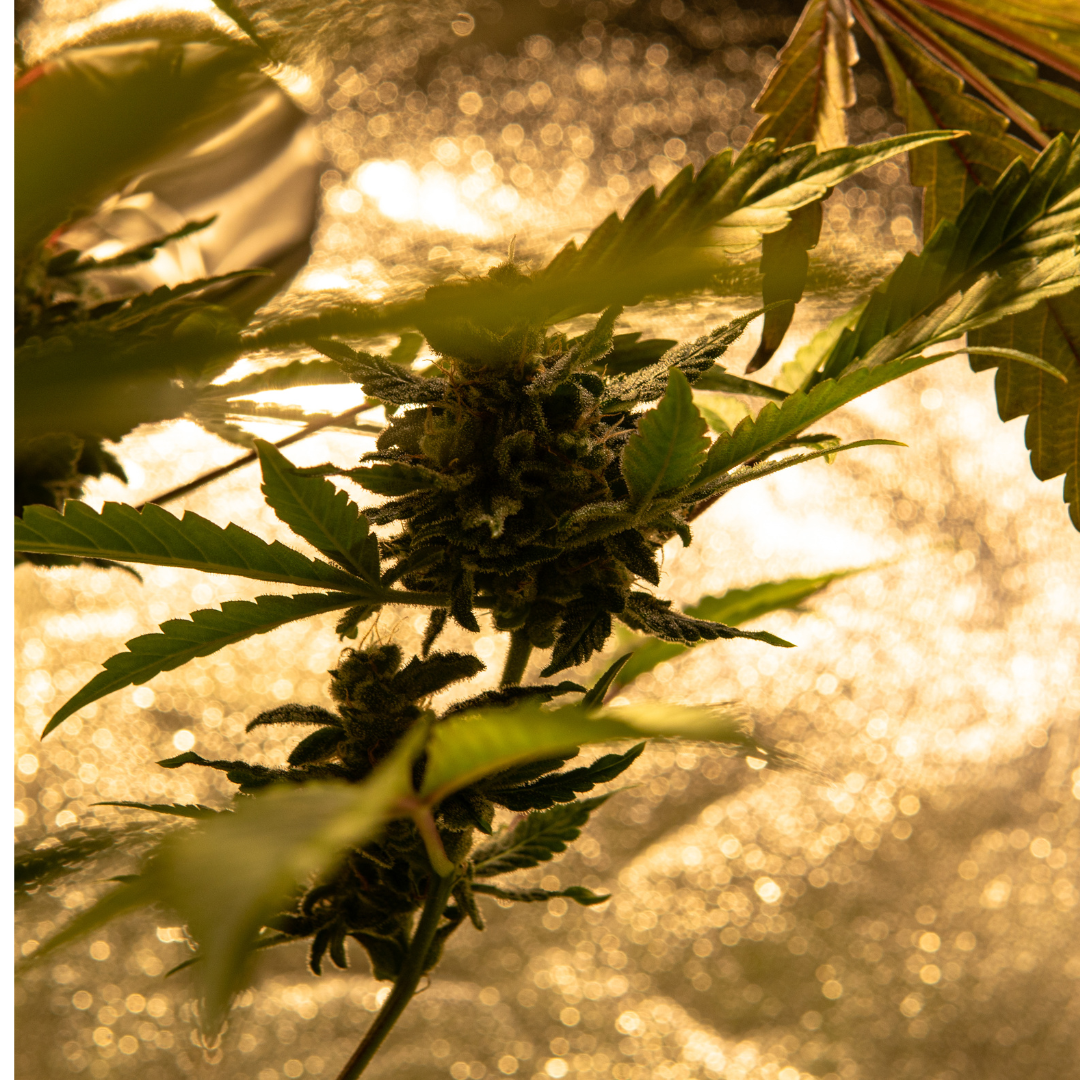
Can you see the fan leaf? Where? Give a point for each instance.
(321, 513)
(733, 608)
(669, 445)
(536, 839)
(806, 97)
(1052, 433)
(155, 537)
(206, 632)
(469, 746)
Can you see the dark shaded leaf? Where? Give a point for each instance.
(322, 514)
(156, 537)
(578, 893)
(535, 839)
(654, 616)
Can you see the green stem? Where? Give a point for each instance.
(517, 658)
(439, 890)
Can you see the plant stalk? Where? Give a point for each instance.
(405, 985)
(517, 659)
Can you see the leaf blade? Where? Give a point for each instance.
(205, 633)
(669, 446)
(155, 537)
(321, 513)
(226, 877)
(810, 90)
(469, 746)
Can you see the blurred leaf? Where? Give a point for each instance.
(156, 537)
(226, 878)
(472, 745)
(90, 119)
(71, 851)
(321, 513)
(735, 607)
(205, 633)
(808, 358)
(806, 97)
(668, 447)
(286, 376)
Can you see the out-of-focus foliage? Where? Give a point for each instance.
(113, 140)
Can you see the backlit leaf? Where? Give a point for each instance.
(669, 446)
(472, 745)
(156, 537)
(206, 632)
(806, 97)
(1052, 432)
(735, 607)
(321, 513)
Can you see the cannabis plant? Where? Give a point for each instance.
(532, 476)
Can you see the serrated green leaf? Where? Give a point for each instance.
(231, 873)
(669, 446)
(1052, 432)
(559, 787)
(206, 632)
(733, 608)
(1045, 30)
(469, 746)
(595, 696)
(155, 537)
(758, 435)
(767, 468)
(678, 239)
(321, 513)
(806, 97)
(396, 478)
(1010, 248)
(929, 96)
(719, 380)
(535, 839)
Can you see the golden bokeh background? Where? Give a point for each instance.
(905, 909)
